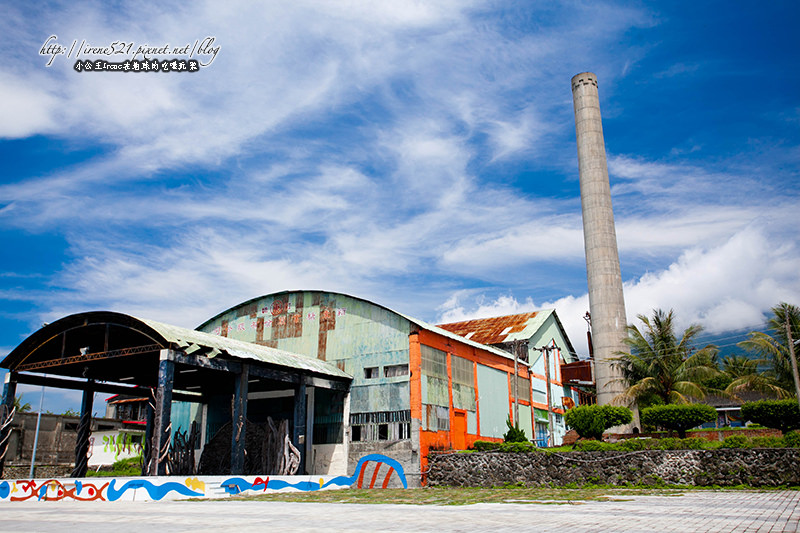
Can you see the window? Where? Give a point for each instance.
(437, 418)
(371, 372)
(463, 383)
(384, 425)
(434, 377)
(434, 362)
(392, 371)
(523, 389)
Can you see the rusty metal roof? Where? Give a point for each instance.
(498, 329)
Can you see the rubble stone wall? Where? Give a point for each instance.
(724, 467)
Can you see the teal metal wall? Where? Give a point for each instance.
(493, 397)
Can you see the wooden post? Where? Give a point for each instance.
(84, 432)
(9, 393)
(161, 423)
(239, 421)
(299, 437)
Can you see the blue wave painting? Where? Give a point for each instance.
(155, 491)
(237, 485)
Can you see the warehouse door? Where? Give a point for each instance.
(459, 433)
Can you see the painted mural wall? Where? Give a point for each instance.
(372, 471)
(108, 447)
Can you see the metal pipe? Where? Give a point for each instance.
(36, 434)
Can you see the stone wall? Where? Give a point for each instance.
(725, 467)
(40, 471)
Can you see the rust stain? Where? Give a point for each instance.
(224, 328)
(260, 329)
(286, 325)
(327, 322)
(490, 330)
(248, 310)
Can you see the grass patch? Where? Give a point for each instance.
(459, 495)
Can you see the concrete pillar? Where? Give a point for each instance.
(9, 393)
(606, 301)
(163, 413)
(239, 421)
(84, 432)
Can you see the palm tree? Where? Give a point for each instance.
(661, 367)
(772, 349)
(19, 406)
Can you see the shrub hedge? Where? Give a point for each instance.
(779, 414)
(590, 421)
(678, 417)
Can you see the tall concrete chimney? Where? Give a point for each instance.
(606, 301)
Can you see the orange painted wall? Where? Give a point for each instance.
(444, 439)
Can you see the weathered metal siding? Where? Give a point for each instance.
(353, 334)
(493, 398)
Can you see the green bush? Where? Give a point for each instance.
(767, 442)
(778, 414)
(590, 421)
(678, 417)
(792, 439)
(594, 446)
(514, 433)
(633, 445)
(517, 447)
(669, 443)
(693, 443)
(485, 446)
(735, 441)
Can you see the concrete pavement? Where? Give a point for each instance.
(687, 512)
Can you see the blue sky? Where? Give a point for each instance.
(420, 155)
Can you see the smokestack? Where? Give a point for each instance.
(606, 301)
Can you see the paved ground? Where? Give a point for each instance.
(695, 511)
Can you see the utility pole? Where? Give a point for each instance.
(516, 347)
(545, 350)
(793, 359)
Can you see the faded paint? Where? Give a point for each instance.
(525, 421)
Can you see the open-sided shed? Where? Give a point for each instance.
(116, 353)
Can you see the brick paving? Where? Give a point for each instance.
(701, 511)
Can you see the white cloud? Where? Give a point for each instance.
(724, 288)
(26, 107)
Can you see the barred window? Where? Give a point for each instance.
(391, 371)
(384, 425)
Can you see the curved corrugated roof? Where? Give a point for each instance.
(419, 323)
(166, 336)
